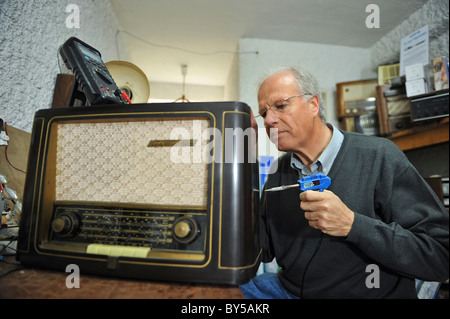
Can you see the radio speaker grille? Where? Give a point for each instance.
(131, 162)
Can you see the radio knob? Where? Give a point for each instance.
(399, 125)
(58, 225)
(182, 229)
(66, 224)
(185, 230)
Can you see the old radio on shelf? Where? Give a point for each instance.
(394, 110)
(356, 105)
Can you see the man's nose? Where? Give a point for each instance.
(271, 117)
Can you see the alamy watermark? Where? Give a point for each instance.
(197, 145)
(373, 19)
(73, 280)
(73, 19)
(373, 279)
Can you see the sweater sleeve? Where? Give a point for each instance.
(410, 233)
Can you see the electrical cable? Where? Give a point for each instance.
(164, 46)
(125, 96)
(6, 151)
(6, 246)
(309, 262)
(19, 267)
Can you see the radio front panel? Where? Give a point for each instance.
(115, 165)
(137, 169)
(142, 192)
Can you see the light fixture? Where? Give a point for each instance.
(183, 72)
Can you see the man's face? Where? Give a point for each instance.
(290, 129)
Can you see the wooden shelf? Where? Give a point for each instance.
(421, 136)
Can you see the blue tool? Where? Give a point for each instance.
(312, 182)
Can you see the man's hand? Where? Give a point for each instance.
(326, 212)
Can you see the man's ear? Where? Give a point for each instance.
(315, 102)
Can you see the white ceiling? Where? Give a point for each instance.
(162, 35)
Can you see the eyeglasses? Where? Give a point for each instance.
(281, 106)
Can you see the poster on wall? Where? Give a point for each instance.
(415, 49)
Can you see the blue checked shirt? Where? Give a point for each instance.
(325, 160)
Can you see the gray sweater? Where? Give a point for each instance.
(401, 228)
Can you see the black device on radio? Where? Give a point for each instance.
(95, 85)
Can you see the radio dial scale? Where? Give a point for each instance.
(167, 230)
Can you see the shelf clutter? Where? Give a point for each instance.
(411, 110)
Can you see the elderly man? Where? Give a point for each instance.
(377, 228)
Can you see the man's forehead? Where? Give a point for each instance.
(281, 78)
(277, 86)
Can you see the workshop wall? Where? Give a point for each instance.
(30, 34)
(434, 13)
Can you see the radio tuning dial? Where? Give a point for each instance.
(185, 230)
(182, 229)
(66, 224)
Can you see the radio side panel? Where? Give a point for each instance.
(28, 218)
(240, 196)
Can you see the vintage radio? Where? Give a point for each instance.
(150, 191)
(430, 106)
(388, 74)
(366, 124)
(355, 98)
(394, 110)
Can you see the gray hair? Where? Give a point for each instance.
(307, 83)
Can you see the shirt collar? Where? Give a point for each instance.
(326, 159)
